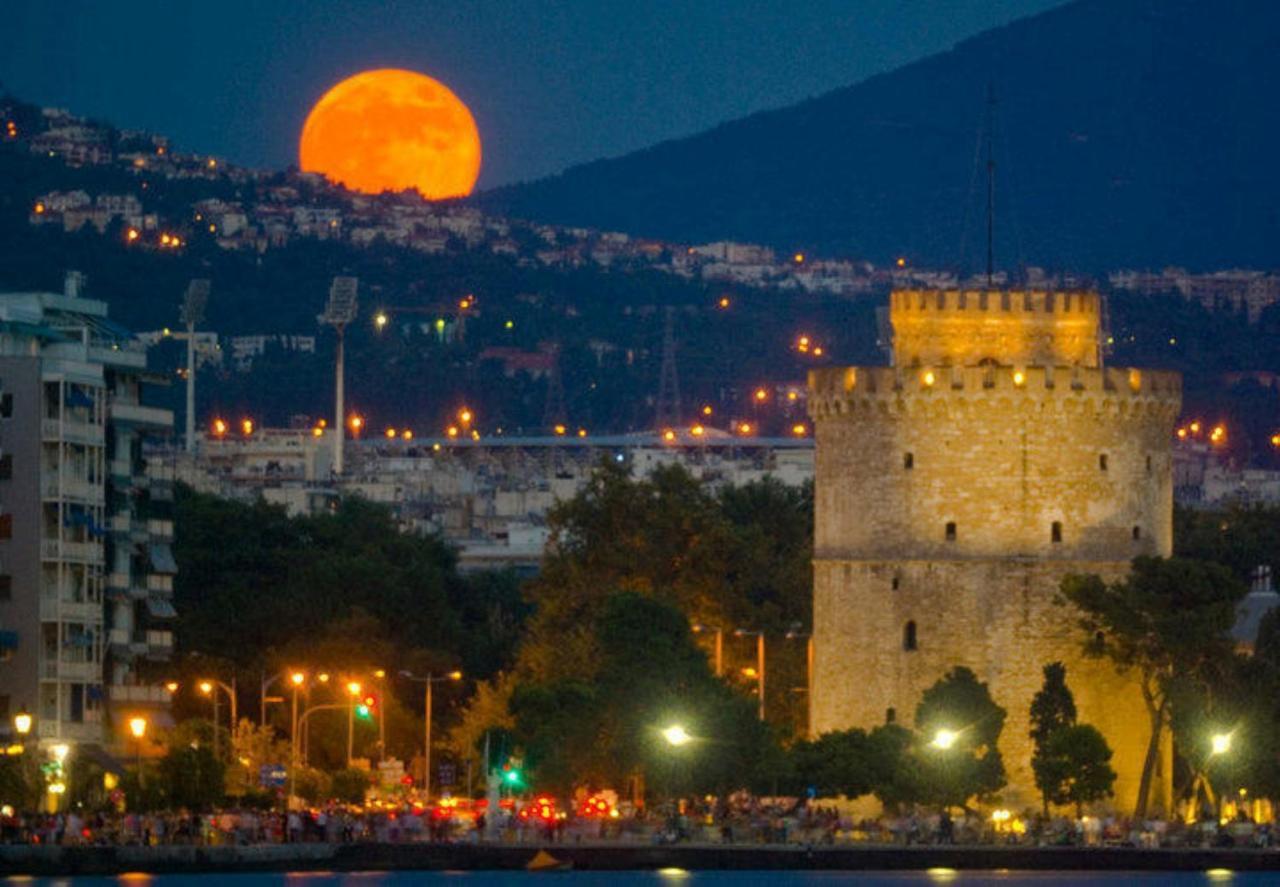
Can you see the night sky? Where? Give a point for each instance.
(550, 84)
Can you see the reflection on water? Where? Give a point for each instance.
(675, 877)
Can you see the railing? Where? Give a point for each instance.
(71, 671)
(120, 523)
(57, 549)
(71, 611)
(120, 693)
(160, 582)
(161, 529)
(132, 412)
(71, 430)
(163, 639)
(119, 637)
(72, 488)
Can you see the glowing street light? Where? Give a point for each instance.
(22, 722)
(380, 320)
(944, 739)
(138, 727)
(246, 427)
(1220, 744)
(219, 428)
(676, 735)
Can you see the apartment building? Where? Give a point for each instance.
(86, 566)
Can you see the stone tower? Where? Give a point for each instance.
(957, 487)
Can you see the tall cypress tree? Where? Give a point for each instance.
(1052, 709)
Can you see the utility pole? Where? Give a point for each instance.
(668, 409)
(193, 305)
(338, 312)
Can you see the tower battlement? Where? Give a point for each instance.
(838, 391)
(971, 327)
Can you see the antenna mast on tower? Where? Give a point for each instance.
(991, 182)
(338, 312)
(668, 407)
(553, 411)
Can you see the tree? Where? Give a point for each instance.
(1167, 619)
(1052, 709)
(1074, 767)
(960, 724)
(604, 723)
(836, 763)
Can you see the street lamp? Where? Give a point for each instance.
(944, 739)
(138, 727)
(209, 687)
(676, 735)
(22, 722)
(1220, 744)
(427, 681)
(698, 628)
(759, 636)
(794, 633)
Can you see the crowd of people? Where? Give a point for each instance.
(739, 821)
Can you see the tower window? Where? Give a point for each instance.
(890, 715)
(1055, 532)
(1102, 461)
(908, 461)
(909, 636)
(1148, 465)
(951, 531)
(1137, 532)
(895, 583)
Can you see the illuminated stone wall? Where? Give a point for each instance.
(954, 499)
(966, 328)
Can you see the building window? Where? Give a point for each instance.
(1148, 465)
(951, 531)
(6, 406)
(6, 466)
(1055, 532)
(6, 588)
(895, 583)
(1102, 461)
(909, 636)
(890, 715)
(6, 526)
(1137, 532)
(908, 461)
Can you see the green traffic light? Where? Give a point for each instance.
(513, 777)
(362, 711)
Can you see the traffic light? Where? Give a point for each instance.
(363, 712)
(512, 776)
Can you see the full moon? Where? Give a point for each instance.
(389, 130)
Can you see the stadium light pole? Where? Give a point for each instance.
(338, 312)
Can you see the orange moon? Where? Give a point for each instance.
(389, 130)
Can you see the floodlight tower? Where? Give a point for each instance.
(193, 304)
(340, 311)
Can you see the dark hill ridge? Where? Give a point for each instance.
(1128, 133)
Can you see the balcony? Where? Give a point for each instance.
(160, 530)
(60, 550)
(81, 672)
(90, 731)
(87, 612)
(73, 432)
(137, 414)
(161, 639)
(160, 583)
(139, 695)
(120, 523)
(121, 471)
(72, 489)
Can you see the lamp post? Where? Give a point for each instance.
(794, 633)
(209, 687)
(353, 690)
(1219, 745)
(759, 636)
(944, 739)
(427, 681)
(22, 723)
(380, 675)
(138, 727)
(296, 679)
(719, 648)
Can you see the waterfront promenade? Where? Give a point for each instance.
(35, 860)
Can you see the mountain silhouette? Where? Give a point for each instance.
(1127, 133)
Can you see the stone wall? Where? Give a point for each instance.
(956, 499)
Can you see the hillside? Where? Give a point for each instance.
(1128, 133)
